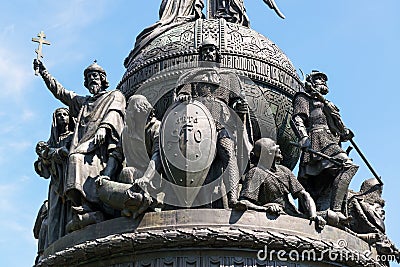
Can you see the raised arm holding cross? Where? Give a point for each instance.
(41, 40)
(97, 133)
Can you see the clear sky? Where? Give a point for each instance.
(355, 42)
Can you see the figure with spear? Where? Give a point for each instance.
(325, 168)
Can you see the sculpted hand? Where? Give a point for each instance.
(100, 136)
(142, 182)
(274, 208)
(99, 180)
(319, 222)
(63, 152)
(305, 142)
(347, 135)
(241, 106)
(38, 65)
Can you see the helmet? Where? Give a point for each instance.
(369, 184)
(314, 73)
(264, 144)
(208, 42)
(94, 67)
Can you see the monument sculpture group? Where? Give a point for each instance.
(199, 139)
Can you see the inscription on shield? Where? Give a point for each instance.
(188, 143)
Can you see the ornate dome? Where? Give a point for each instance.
(244, 51)
(242, 48)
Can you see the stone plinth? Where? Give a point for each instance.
(201, 237)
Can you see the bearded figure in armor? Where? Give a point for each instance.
(366, 209)
(318, 126)
(218, 90)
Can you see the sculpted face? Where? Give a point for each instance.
(138, 111)
(62, 117)
(278, 155)
(94, 82)
(320, 84)
(209, 53)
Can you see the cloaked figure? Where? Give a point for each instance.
(172, 13)
(234, 11)
(52, 163)
(40, 230)
(136, 187)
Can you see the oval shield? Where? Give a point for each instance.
(187, 143)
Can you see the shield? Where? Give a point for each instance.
(188, 139)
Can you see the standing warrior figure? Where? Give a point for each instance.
(318, 126)
(217, 89)
(99, 126)
(52, 163)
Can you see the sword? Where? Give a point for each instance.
(366, 161)
(322, 155)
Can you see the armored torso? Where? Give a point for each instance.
(272, 187)
(311, 110)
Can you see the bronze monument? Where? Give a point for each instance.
(189, 160)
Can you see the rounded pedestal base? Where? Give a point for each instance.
(208, 237)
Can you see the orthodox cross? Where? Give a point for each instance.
(41, 40)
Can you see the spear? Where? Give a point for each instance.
(337, 162)
(366, 161)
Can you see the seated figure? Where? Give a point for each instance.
(131, 190)
(267, 185)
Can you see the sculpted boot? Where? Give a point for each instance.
(80, 221)
(340, 188)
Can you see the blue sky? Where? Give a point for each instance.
(355, 42)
